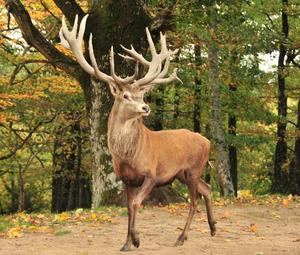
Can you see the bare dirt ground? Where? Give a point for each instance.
(242, 229)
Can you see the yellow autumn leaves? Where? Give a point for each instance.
(15, 232)
(21, 223)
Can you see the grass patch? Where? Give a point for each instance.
(5, 224)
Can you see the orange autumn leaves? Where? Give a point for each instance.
(19, 224)
(25, 74)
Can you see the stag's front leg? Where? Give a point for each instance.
(134, 200)
(132, 235)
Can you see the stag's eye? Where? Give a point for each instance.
(126, 96)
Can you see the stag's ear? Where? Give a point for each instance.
(115, 91)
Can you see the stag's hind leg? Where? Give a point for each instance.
(193, 192)
(205, 190)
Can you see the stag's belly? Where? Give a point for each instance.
(134, 178)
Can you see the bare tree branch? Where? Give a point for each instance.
(37, 40)
(3, 172)
(70, 8)
(291, 122)
(164, 20)
(30, 147)
(24, 141)
(48, 10)
(19, 68)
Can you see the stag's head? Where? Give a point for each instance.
(129, 91)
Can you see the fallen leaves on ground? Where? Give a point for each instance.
(175, 208)
(245, 197)
(252, 228)
(15, 232)
(16, 225)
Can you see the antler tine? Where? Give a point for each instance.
(151, 43)
(63, 41)
(97, 73)
(134, 55)
(165, 55)
(118, 79)
(75, 26)
(164, 72)
(171, 78)
(126, 57)
(156, 63)
(164, 52)
(70, 40)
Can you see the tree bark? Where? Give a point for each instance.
(197, 92)
(232, 147)
(159, 112)
(217, 130)
(297, 150)
(70, 186)
(21, 194)
(176, 105)
(102, 167)
(294, 174)
(280, 182)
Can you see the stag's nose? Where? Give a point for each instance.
(146, 108)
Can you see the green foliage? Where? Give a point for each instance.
(37, 98)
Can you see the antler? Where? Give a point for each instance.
(156, 70)
(157, 67)
(73, 41)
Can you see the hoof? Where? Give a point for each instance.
(213, 229)
(179, 243)
(126, 247)
(213, 232)
(136, 242)
(180, 240)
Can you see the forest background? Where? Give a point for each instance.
(239, 63)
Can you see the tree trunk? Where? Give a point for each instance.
(176, 105)
(197, 92)
(70, 186)
(217, 131)
(21, 195)
(112, 23)
(280, 182)
(297, 150)
(102, 168)
(294, 167)
(159, 112)
(232, 148)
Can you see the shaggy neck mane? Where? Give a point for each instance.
(123, 135)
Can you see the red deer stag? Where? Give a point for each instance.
(144, 159)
